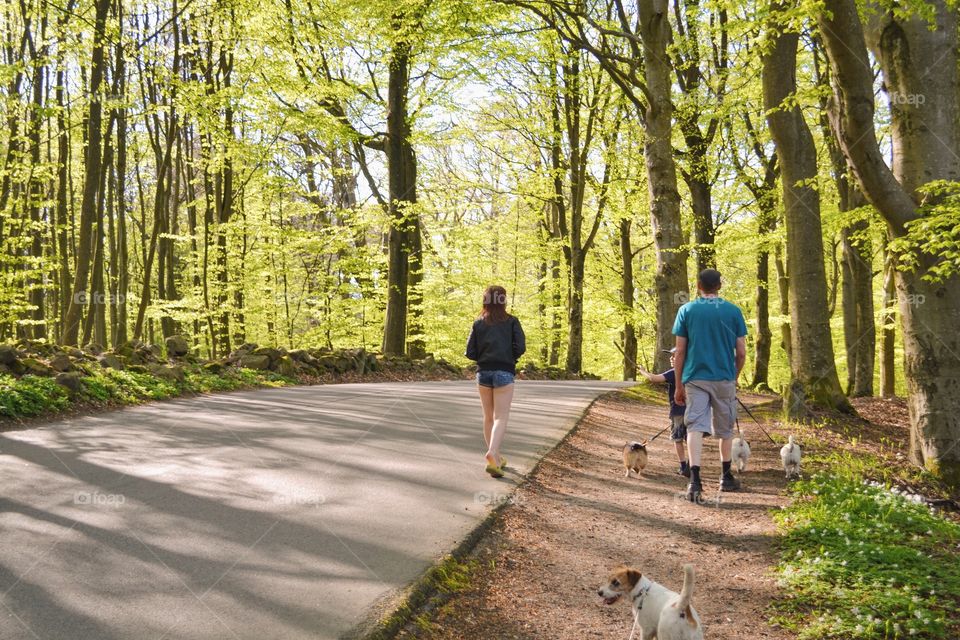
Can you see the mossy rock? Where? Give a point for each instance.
(177, 346)
(34, 367)
(286, 366)
(260, 362)
(172, 373)
(70, 380)
(62, 362)
(111, 361)
(274, 353)
(94, 349)
(8, 354)
(214, 367)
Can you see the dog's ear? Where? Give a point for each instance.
(633, 577)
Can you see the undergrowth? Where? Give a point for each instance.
(31, 396)
(862, 561)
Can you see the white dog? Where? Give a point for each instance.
(660, 613)
(790, 454)
(740, 451)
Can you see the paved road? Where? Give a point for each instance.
(279, 513)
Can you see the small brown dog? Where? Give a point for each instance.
(634, 457)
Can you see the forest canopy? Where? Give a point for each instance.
(354, 173)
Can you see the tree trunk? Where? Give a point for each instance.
(627, 292)
(761, 363)
(783, 289)
(670, 278)
(917, 62)
(575, 314)
(402, 180)
(859, 328)
(121, 258)
(61, 210)
(814, 381)
(556, 320)
(88, 207)
(416, 344)
(35, 191)
(888, 323)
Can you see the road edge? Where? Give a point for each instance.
(393, 613)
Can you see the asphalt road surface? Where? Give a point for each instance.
(278, 513)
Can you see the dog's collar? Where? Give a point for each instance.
(641, 591)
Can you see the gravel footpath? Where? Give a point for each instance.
(535, 575)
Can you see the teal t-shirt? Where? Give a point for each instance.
(711, 327)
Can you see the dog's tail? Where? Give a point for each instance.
(686, 594)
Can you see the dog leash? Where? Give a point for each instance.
(750, 413)
(636, 620)
(658, 433)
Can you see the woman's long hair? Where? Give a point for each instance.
(494, 305)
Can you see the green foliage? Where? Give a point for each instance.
(860, 561)
(935, 233)
(127, 387)
(30, 396)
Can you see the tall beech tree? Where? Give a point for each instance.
(814, 380)
(918, 56)
(92, 178)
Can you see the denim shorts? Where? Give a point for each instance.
(494, 379)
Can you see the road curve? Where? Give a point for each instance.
(276, 513)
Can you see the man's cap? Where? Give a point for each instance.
(673, 350)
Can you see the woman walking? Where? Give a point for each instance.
(496, 342)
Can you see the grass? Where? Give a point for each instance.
(648, 392)
(32, 396)
(862, 561)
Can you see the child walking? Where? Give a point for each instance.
(678, 430)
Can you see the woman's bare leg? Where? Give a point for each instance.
(486, 399)
(502, 397)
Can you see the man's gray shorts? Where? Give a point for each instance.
(720, 396)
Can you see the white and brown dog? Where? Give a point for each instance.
(660, 613)
(634, 457)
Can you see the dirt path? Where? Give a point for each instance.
(535, 575)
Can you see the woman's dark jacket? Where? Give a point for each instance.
(496, 347)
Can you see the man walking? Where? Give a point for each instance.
(711, 350)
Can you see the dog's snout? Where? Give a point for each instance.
(599, 592)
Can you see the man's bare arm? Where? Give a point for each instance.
(741, 356)
(679, 357)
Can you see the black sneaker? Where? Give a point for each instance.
(695, 492)
(683, 471)
(728, 482)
